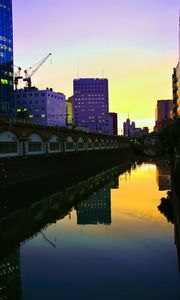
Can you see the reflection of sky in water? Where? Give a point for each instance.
(133, 258)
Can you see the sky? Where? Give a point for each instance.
(133, 43)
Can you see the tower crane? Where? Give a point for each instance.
(17, 76)
(28, 76)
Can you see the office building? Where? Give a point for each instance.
(91, 104)
(70, 110)
(43, 106)
(6, 58)
(130, 129)
(163, 113)
(176, 91)
(114, 122)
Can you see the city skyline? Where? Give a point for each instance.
(134, 45)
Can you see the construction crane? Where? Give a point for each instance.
(28, 76)
(17, 76)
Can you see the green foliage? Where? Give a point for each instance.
(170, 136)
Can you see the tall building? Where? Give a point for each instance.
(91, 104)
(114, 122)
(176, 91)
(6, 58)
(163, 113)
(43, 106)
(70, 110)
(130, 129)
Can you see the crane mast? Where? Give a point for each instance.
(28, 76)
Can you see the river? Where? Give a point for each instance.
(111, 243)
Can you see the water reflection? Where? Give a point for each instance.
(10, 279)
(135, 248)
(170, 206)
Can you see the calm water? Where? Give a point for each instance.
(114, 244)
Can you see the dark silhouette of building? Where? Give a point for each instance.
(130, 129)
(163, 113)
(6, 59)
(114, 121)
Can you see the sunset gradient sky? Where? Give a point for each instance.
(133, 43)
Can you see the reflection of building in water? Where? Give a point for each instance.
(163, 177)
(10, 280)
(96, 209)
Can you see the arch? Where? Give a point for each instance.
(9, 144)
(53, 144)
(102, 144)
(35, 144)
(96, 143)
(89, 144)
(69, 144)
(80, 144)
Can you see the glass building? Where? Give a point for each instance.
(6, 58)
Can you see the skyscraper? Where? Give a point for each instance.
(91, 104)
(163, 113)
(6, 58)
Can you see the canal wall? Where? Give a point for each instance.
(39, 170)
(32, 212)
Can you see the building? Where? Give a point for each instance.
(130, 129)
(6, 58)
(91, 104)
(114, 122)
(70, 110)
(163, 113)
(176, 91)
(43, 106)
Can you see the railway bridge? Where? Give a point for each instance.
(19, 139)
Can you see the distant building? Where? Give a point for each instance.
(130, 129)
(176, 91)
(114, 122)
(91, 104)
(70, 110)
(163, 113)
(6, 58)
(43, 106)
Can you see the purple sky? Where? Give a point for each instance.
(134, 43)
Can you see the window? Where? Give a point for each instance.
(54, 146)
(8, 147)
(34, 146)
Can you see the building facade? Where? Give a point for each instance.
(130, 129)
(164, 112)
(176, 91)
(6, 58)
(91, 104)
(42, 106)
(70, 110)
(114, 121)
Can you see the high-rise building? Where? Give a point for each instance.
(6, 58)
(91, 104)
(42, 106)
(163, 113)
(114, 122)
(70, 110)
(130, 129)
(176, 91)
